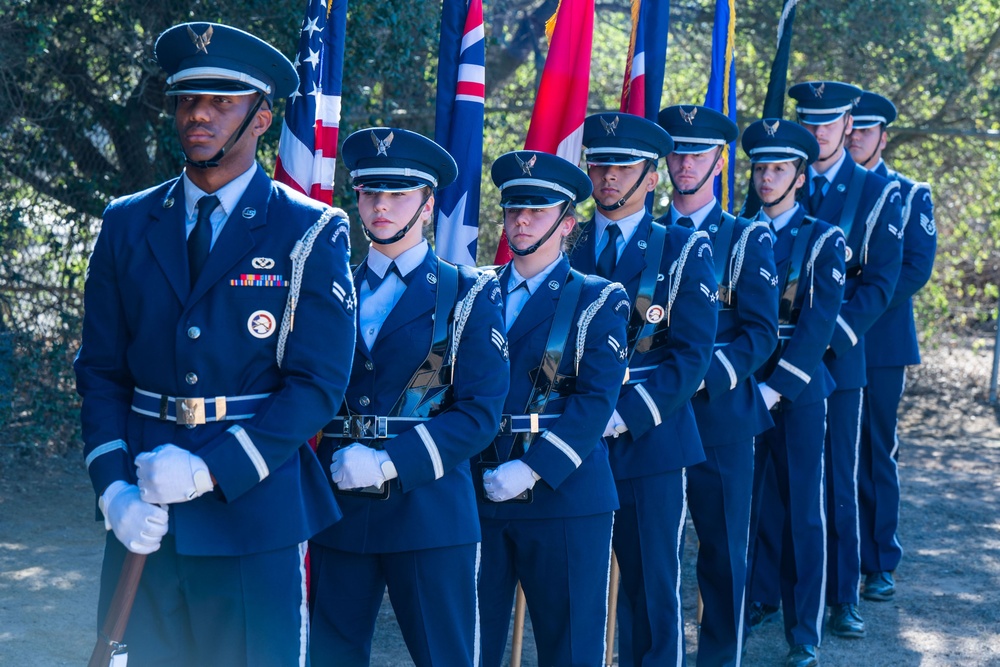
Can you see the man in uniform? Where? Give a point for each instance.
(728, 406)
(866, 207)
(217, 336)
(890, 346)
(669, 275)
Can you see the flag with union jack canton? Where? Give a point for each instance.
(459, 127)
(647, 56)
(307, 150)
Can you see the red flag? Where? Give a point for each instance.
(561, 104)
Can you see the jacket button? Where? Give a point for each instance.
(194, 332)
(369, 365)
(191, 378)
(364, 401)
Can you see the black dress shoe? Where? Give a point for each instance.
(879, 586)
(761, 613)
(802, 655)
(845, 621)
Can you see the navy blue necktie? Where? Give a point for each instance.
(374, 280)
(685, 222)
(608, 259)
(199, 242)
(816, 198)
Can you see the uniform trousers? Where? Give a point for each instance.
(239, 611)
(433, 593)
(843, 441)
(795, 446)
(648, 542)
(878, 479)
(562, 564)
(719, 492)
(764, 554)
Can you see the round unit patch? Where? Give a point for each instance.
(848, 253)
(654, 314)
(261, 324)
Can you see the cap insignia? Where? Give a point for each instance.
(382, 144)
(610, 127)
(201, 41)
(771, 129)
(688, 116)
(817, 90)
(526, 166)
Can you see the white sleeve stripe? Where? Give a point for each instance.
(432, 450)
(251, 451)
(653, 410)
(105, 449)
(847, 329)
(794, 370)
(729, 368)
(563, 447)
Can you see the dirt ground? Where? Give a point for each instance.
(946, 611)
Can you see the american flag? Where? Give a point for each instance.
(647, 55)
(561, 104)
(307, 150)
(459, 127)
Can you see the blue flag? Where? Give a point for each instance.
(459, 127)
(721, 94)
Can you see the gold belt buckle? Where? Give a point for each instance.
(191, 411)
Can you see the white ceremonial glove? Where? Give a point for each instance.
(770, 396)
(508, 480)
(169, 474)
(616, 426)
(137, 524)
(357, 466)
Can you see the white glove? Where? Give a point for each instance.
(137, 524)
(358, 466)
(508, 480)
(770, 396)
(169, 474)
(616, 426)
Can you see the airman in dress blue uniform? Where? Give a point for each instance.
(548, 493)
(867, 208)
(795, 383)
(428, 382)
(669, 275)
(728, 406)
(219, 306)
(890, 346)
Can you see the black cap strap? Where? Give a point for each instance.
(401, 233)
(214, 161)
(529, 250)
(702, 182)
(635, 186)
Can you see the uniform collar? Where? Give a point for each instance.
(626, 225)
(831, 173)
(698, 217)
(229, 194)
(409, 260)
(532, 283)
(779, 223)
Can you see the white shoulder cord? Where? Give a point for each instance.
(909, 200)
(300, 253)
(677, 268)
(463, 309)
(741, 247)
(583, 324)
(814, 253)
(890, 187)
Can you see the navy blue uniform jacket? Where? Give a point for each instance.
(730, 408)
(147, 328)
(432, 503)
(796, 369)
(570, 456)
(663, 435)
(892, 340)
(874, 243)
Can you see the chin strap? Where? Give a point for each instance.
(214, 162)
(621, 202)
(843, 136)
(799, 170)
(870, 157)
(533, 248)
(401, 233)
(702, 182)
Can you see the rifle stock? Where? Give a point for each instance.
(113, 631)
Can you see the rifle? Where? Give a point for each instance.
(109, 650)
